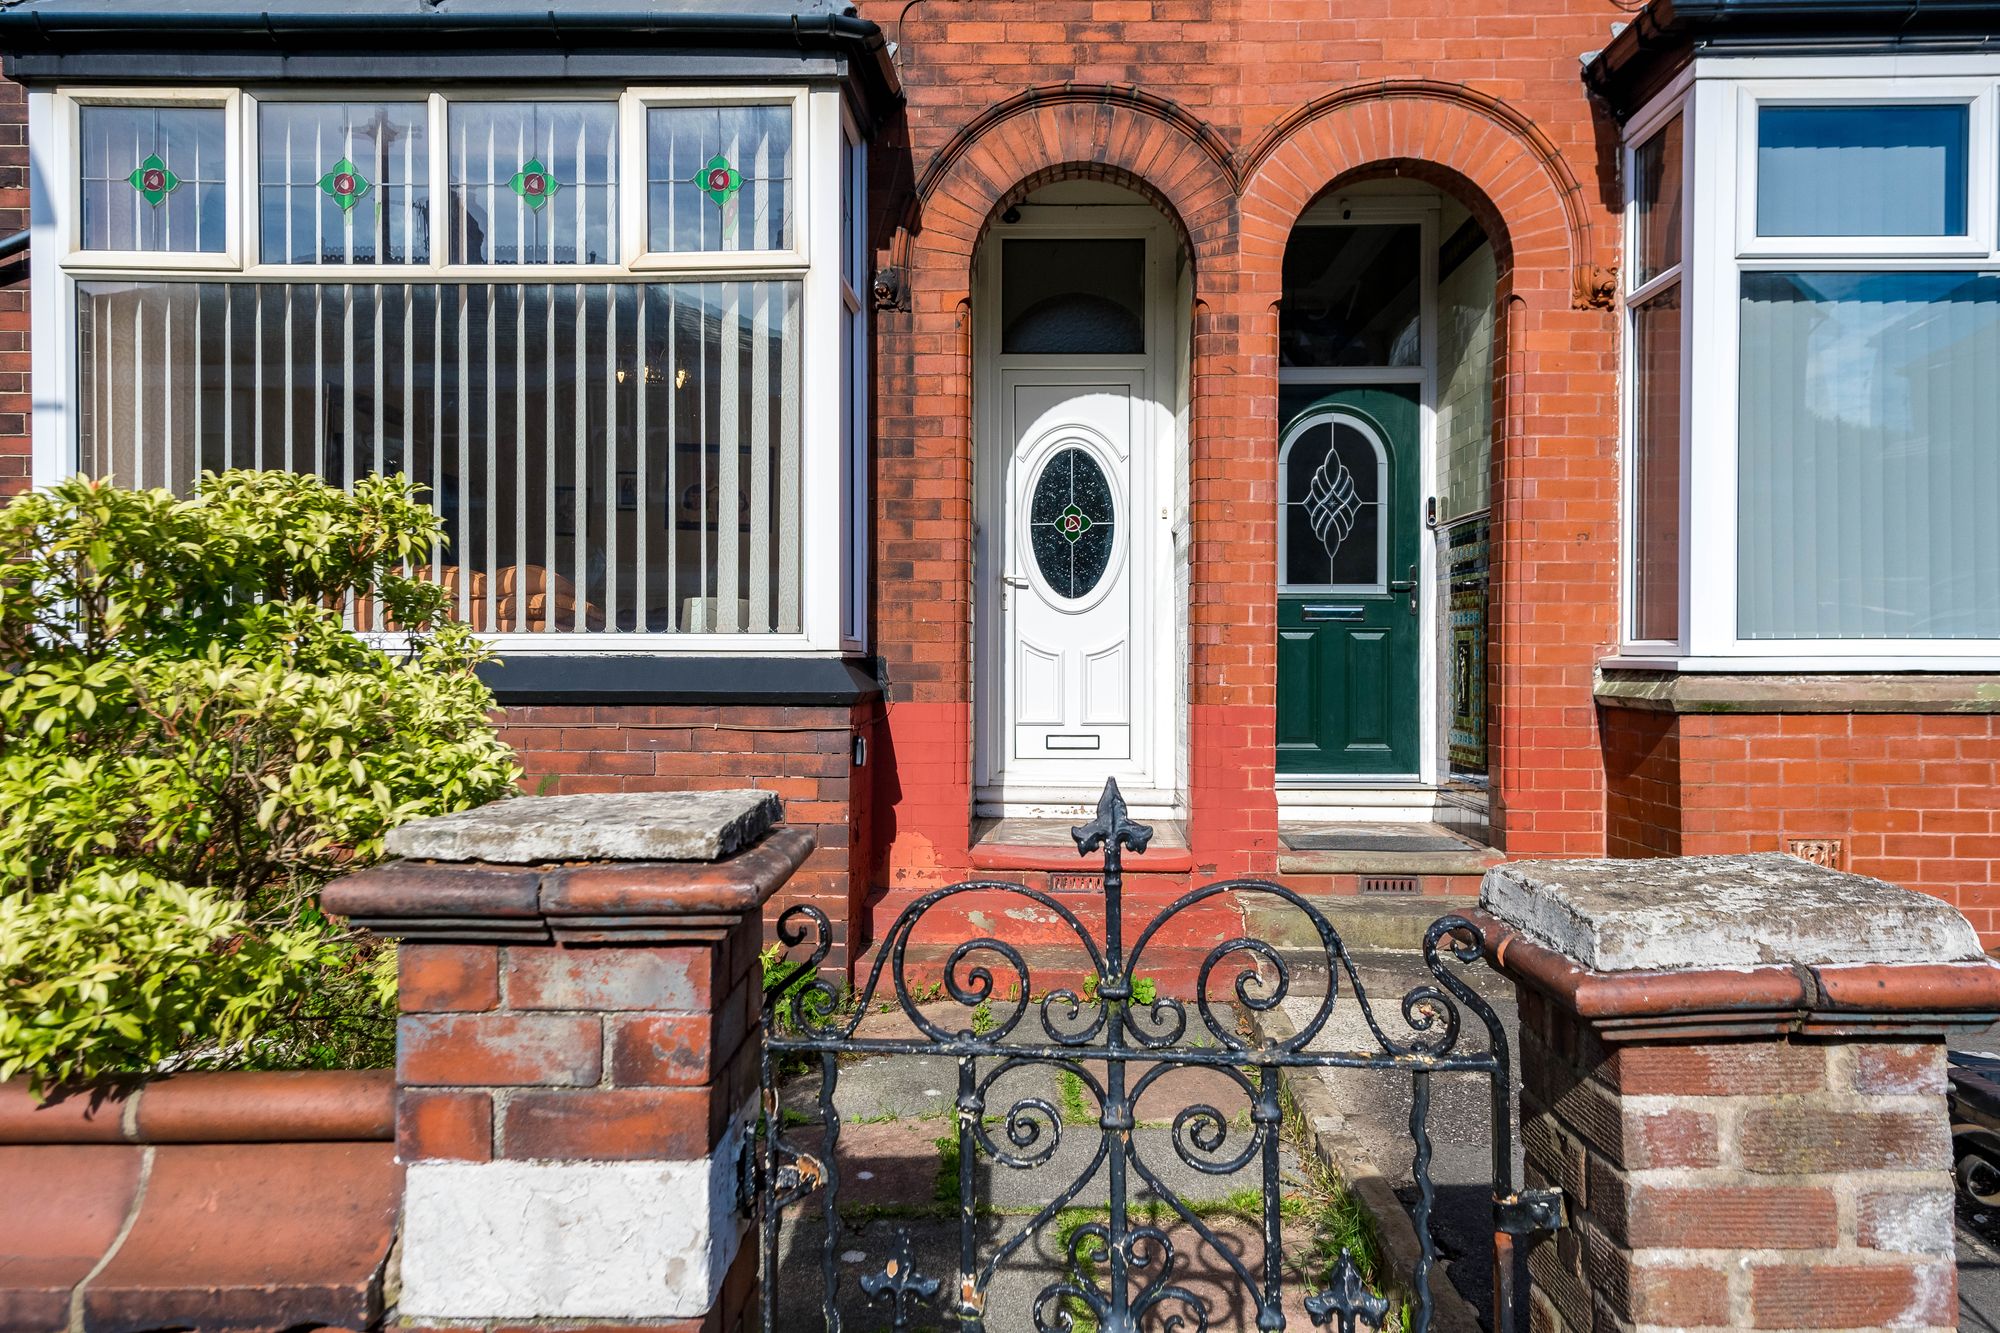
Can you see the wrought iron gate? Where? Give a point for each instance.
(1105, 1026)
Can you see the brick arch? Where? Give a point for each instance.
(1131, 138)
(925, 360)
(1517, 176)
(1553, 587)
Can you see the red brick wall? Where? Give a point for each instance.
(1642, 783)
(1233, 117)
(1912, 798)
(803, 754)
(15, 405)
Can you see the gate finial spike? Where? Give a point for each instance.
(1112, 826)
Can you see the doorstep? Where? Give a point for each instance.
(1046, 844)
(1353, 847)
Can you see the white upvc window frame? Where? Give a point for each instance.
(633, 202)
(854, 292)
(1640, 131)
(1719, 97)
(69, 145)
(57, 265)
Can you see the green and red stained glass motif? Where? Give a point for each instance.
(718, 180)
(1072, 523)
(534, 183)
(344, 184)
(153, 180)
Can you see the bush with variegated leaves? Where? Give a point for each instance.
(192, 743)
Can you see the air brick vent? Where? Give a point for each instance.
(1066, 881)
(1401, 885)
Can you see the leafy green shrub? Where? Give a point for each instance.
(192, 743)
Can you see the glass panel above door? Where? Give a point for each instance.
(1864, 170)
(1073, 297)
(1351, 296)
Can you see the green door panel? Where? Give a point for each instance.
(1347, 625)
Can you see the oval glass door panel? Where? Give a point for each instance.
(1071, 521)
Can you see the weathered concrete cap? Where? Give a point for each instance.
(1676, 913)
(611, 826)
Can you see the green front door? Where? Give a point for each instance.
(1347, 592)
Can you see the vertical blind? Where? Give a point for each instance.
(1869, 471)
(606, 456)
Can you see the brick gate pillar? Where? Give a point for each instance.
(1733, 1066)
(576, 1062)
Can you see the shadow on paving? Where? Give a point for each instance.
(897, 1141)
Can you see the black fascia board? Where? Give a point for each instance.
(633, 678)
(48, 40)
(1663, 37)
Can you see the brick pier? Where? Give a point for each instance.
(1733, 1067)
(577, 1059)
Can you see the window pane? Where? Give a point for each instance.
(344, 182)
(718, 178)
(1656, 467)
(1072, 296)
(1656, 204)
(1861, 170)
(1334, 479)
(1072, 523)
(606, 456)
(153, 178)
(1868, 472)
(1351, 297)
(531, 182)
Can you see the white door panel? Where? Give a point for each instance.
(1071, 556)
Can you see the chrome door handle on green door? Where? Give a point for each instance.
(1408, 585)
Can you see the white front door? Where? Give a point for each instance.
(1073, 555)
(1077, 443)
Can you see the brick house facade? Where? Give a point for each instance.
(1255, 151)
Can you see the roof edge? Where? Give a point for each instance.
(1661, 38)
(35, 28)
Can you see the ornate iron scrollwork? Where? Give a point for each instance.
(1117, 1045)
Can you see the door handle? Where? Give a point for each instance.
(1408, 585)
(1013, 580)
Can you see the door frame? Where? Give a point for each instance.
(1152, 780)
(1296, 790)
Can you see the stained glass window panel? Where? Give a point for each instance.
(531, 182)
(1072, 523)
(344, 182)
(1334, 479)
(154, 179)
(718, 178)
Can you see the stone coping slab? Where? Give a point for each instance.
(597, 826)
(1707, 912)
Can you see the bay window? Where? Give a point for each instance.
(1812, 367)
(618, 337)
